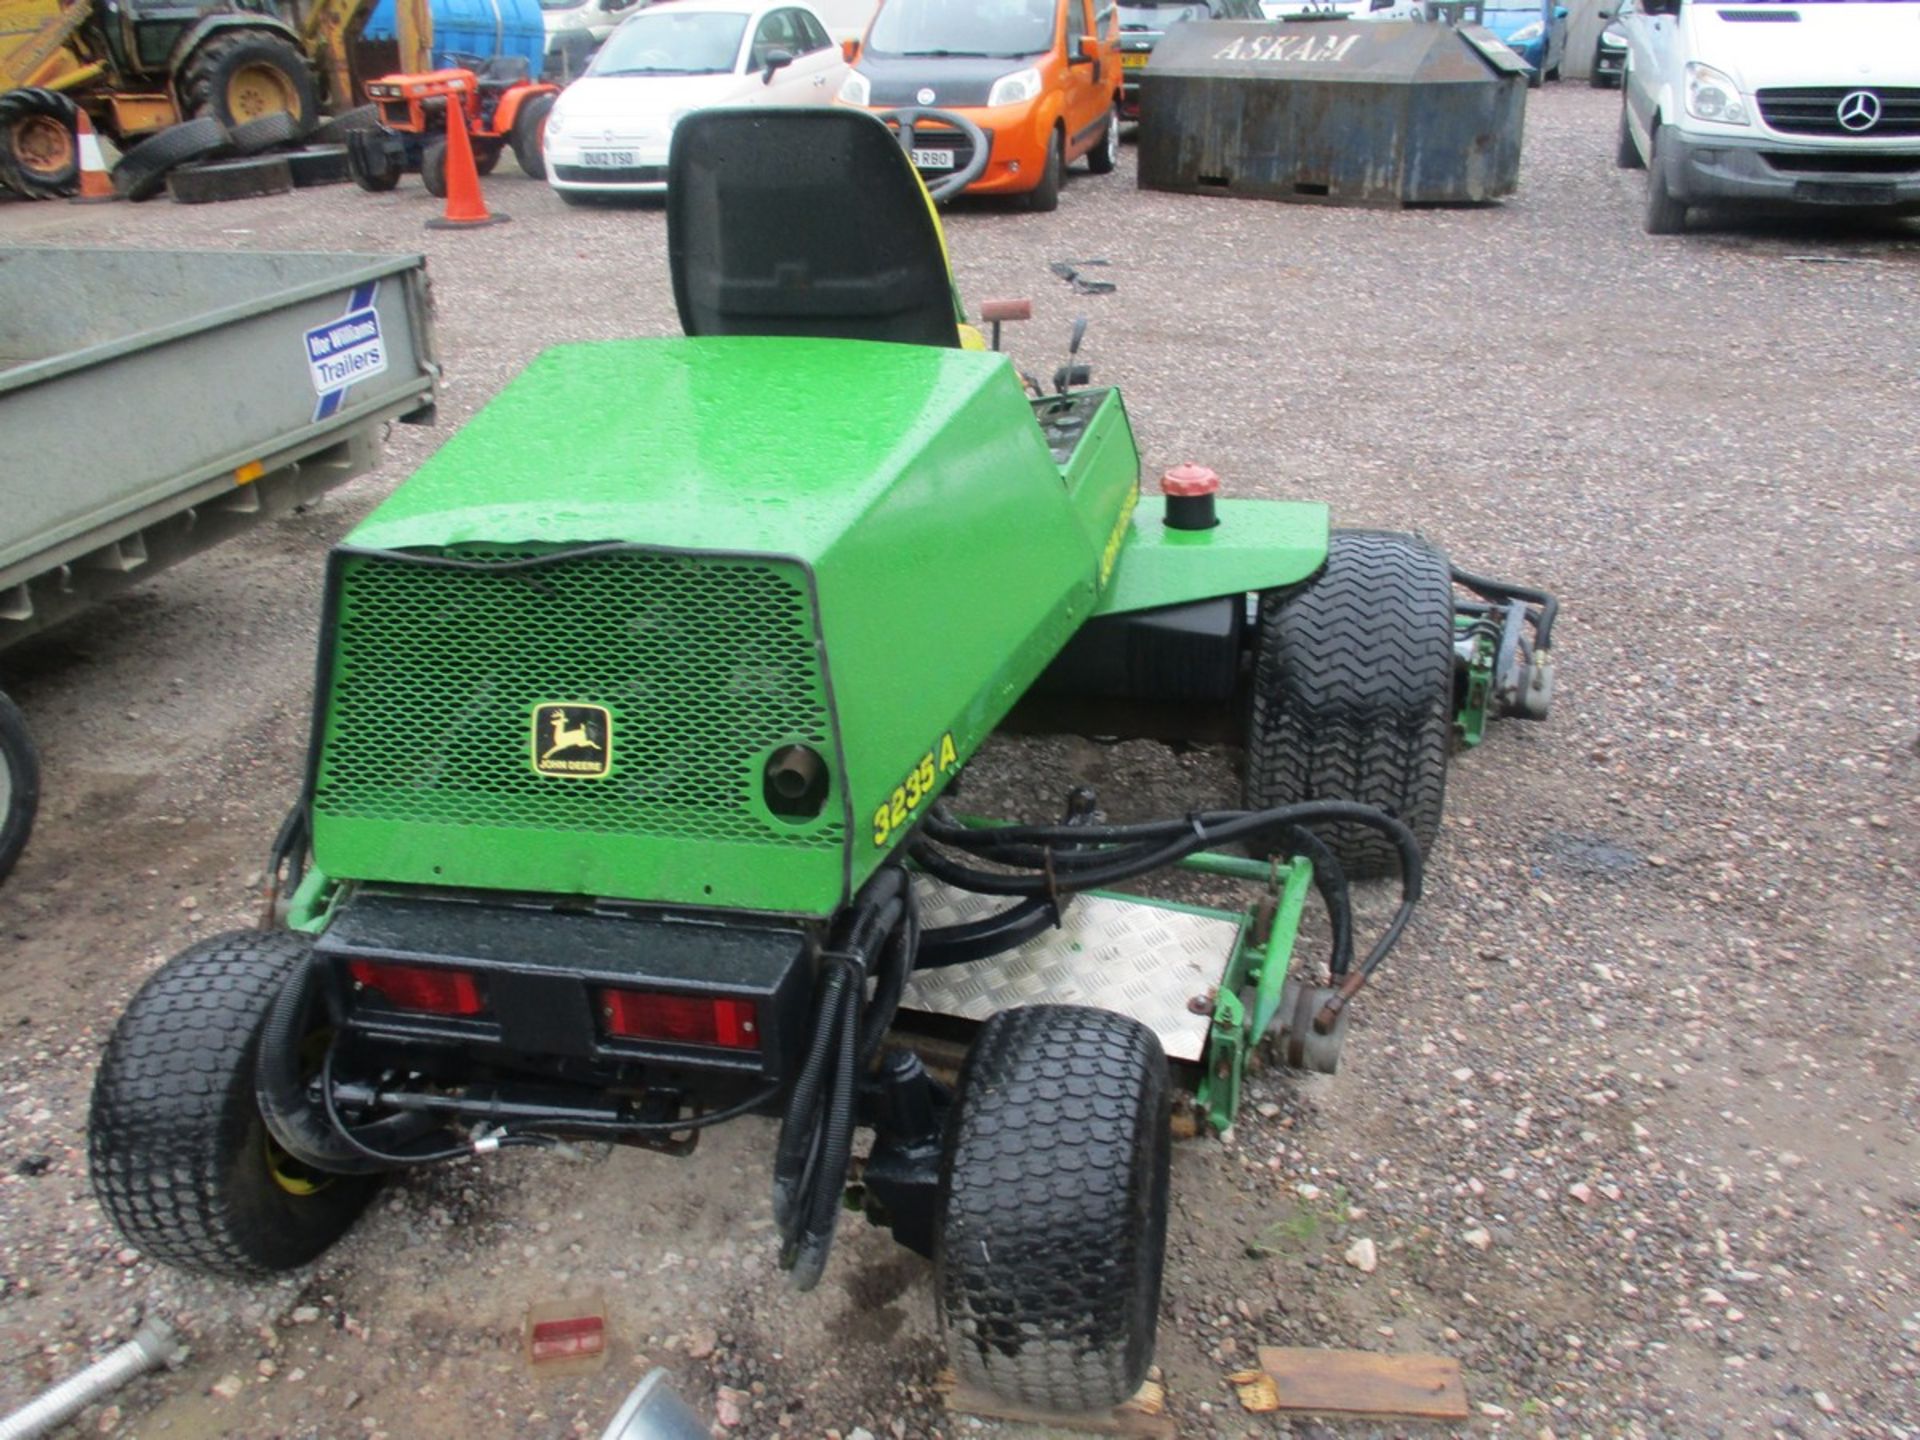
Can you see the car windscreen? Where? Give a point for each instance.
(1008, 28)
(670, 42)
(1159, 14)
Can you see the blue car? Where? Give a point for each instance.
(1536, 32)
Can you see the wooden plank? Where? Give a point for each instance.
(1144, 1417)
(1358, 1382)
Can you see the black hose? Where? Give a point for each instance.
(300, 1128)
(1503, 590)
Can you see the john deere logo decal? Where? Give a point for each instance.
(572, 740)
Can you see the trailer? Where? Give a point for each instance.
(155, 403)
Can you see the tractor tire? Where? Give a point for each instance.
(1053, 1201)
(317, 165)
(1046, 195)
(1353, 693)
(238, 76)
(39, 152)
(181, 1159)
(231, 180)
(1105, 153)
(19, 784)
(371, 161)
(530, 136)
(433, 168)
(335, 129)
(142, 171)
(1665, 214)
(269, 132)
(485, 157)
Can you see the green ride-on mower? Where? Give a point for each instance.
(628, 804)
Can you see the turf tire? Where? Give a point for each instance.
(142, 171)
(317, 165)
(269, 132)
(1105, 153)
(530, 136)
(1353, 692)
(1053, 1196)
(175, 1140)
(205, 81)
(433, 168)
(19, 784)
(231, 180)
(35, 111)
(1046, 195)
(485, 157)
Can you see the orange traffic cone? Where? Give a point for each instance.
(466, 209)
(95, 184)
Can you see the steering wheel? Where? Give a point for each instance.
(902, 123)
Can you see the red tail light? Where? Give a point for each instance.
(420, 987)
(682, 1019)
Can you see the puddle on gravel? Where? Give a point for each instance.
(1590, 855)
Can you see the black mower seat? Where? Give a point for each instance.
(804, 221)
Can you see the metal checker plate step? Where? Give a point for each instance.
(1130, 956)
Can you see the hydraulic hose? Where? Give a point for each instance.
(1503, 590)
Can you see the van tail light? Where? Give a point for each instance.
(428, 988)
(731, 1024)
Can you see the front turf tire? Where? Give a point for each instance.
(1353, 693)
(1053, 1202)
(180, 1157)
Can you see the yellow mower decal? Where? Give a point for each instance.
(898, 808)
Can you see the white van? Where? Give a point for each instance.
(1796, 102)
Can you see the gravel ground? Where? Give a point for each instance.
(1628, 1124)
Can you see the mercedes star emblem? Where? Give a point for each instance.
(1859, 110)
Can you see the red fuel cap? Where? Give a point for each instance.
(1189, 479)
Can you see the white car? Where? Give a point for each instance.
(1732, 102)
(609, 131)
(575, 29)
(1341, 9)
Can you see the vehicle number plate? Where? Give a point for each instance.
(1133, 62)
(608, 158)
(1841, 192)
(933, 159)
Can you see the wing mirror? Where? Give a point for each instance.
(1089, 50)
(850, 51)
(776, 60)
(1560, 12)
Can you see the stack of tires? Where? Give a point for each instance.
(204, 159)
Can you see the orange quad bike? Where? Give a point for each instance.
(503, 106)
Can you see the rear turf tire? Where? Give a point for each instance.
(1353, 692)
(181, 1159)
(530, 136)
(1054, 1208)
(19, 784)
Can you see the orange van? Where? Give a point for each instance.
(1040, 77)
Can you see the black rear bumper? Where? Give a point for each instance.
(542, 975)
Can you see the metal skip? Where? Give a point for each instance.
(1369, 113)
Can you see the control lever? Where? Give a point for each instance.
(1071, 374)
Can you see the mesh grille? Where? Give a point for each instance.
(705, 663)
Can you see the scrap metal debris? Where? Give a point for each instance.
(1069, 271)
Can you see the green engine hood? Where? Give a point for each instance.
(862, 547)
